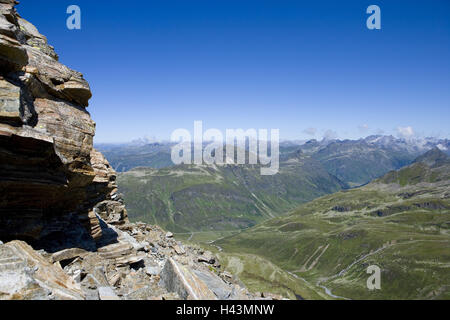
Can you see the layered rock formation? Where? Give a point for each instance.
(51, 178)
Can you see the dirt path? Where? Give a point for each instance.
(344, 271)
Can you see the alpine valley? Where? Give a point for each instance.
(310, 232)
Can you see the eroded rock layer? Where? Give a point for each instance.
(51, 178)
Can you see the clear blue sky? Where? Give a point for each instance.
(301, 66)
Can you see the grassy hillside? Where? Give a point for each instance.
(400, 223)
(261, 275)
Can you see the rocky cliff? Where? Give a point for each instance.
(51, 179)
(64, 231)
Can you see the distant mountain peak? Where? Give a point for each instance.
(433, 157)
(432, 166)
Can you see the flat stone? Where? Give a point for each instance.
(25, 274)
(107, 293)
(152, 271)
(127, 260)
(144, 293)
(182, 280)
(179, 249)
(116, 250)
(115, 280)
(67, 254)
(206, 259)
(215, 284)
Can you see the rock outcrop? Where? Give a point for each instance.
(51, 178)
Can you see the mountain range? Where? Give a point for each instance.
(354, 162)
(193, 198)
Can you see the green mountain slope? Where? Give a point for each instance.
(190, 198)
(358, 162)
(400, 223)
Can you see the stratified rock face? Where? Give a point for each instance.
(51, 178)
